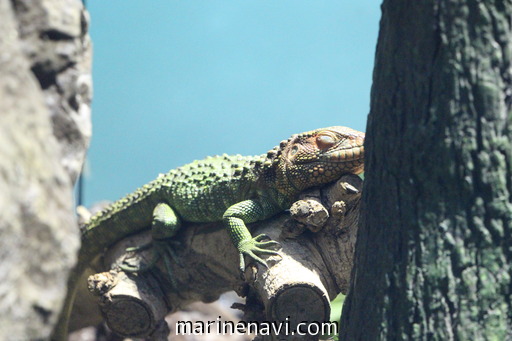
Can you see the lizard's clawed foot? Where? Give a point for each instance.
(255, 247)
(162, 249)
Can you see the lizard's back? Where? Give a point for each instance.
(200, 191)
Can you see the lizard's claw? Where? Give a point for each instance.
(254, 248)
(162, 249)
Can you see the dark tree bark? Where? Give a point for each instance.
(434, 251)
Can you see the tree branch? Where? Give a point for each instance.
(313, 269)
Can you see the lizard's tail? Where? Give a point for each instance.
(60, 332)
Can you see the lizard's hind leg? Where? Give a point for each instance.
(164, 226)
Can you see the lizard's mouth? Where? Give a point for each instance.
(355, 153)
(337, 155)
(346, 160)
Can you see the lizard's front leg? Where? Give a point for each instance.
(249, 211)
(165, 224)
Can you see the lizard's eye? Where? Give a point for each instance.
(294, 150)
(325, 141)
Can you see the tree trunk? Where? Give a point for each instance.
(434, 251)
(45, 94)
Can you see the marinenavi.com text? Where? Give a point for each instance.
(220, 327)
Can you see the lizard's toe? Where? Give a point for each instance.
(255, 249)
(170, 252)
(270, 243)
(141, 267)
(139, 248)
(260, 237)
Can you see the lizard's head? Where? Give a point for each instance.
(317, 157)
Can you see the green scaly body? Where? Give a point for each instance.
(199, 192)
(233, 189)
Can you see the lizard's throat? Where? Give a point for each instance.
(285, 182)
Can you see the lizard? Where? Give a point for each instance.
(235, 190)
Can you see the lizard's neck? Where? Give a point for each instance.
(274, 178)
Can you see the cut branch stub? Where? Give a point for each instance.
(132, 306)
(302, 302)
(310, 212)
(294, 288)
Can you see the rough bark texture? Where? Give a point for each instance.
(44, 106)
(434, 251)
(313, 269)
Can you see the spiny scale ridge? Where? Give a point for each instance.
(131, 199)
(188, 178)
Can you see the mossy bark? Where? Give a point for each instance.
(434, 251)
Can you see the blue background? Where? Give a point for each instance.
(177, 80)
